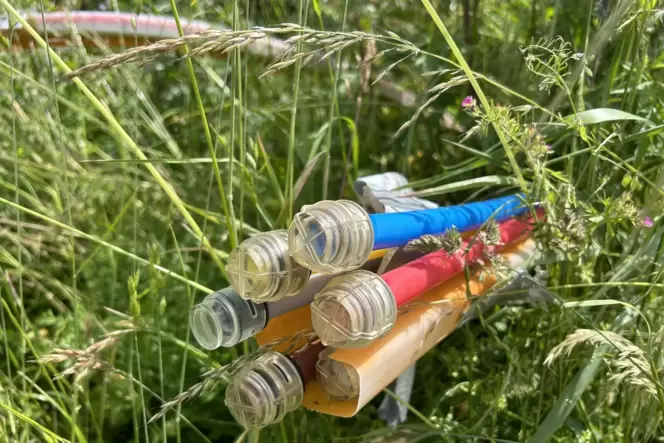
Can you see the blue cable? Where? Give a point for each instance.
(398, 228)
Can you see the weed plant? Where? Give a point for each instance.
(128, 174)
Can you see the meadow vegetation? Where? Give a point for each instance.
(123, 186)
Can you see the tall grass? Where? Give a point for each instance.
(122, 191)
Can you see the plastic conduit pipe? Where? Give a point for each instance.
(224, 318)
(335, 236)
(359, 307)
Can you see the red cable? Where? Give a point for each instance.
(415, 278)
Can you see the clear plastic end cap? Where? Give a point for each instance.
(261, 269)
(331, 236)
(339, 380)
(353, 310)
(265, 391)
(225, 319)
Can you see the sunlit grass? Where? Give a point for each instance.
(123, 190)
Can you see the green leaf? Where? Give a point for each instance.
(354, 140)
(316, 5)
(655, 130)
(355, 145)
(567, 400)
(134, 304)
(317, 139)
(489, 180)
(557, 175)
(601, 115)
(33, 423)
(306, 173)
(587, 374)
(592, 303)
(447, 175)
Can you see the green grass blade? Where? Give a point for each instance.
(602, 115)
(117, 129)
(478, 90)
(32, 423)
(105, 244)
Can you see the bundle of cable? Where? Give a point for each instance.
(335, 236)
(340, 382)
(224, 318)
(359, 307)
(338, 236)
(354, 309)
(349, 309)
(273, 294)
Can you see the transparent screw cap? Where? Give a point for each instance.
(261, 269)
(353, 310)
(265, 391)
(331, 236)
(339, 380)
(225, 319)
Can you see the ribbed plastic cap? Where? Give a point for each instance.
(265, 391)
(331, 236)
(261, 269)
(225, 319)
(353, 310)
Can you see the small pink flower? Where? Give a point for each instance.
(648, 222)
(468, 103)
(548, 148)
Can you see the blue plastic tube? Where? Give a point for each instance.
(397, 229)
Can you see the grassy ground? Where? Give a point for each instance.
(108, 181)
